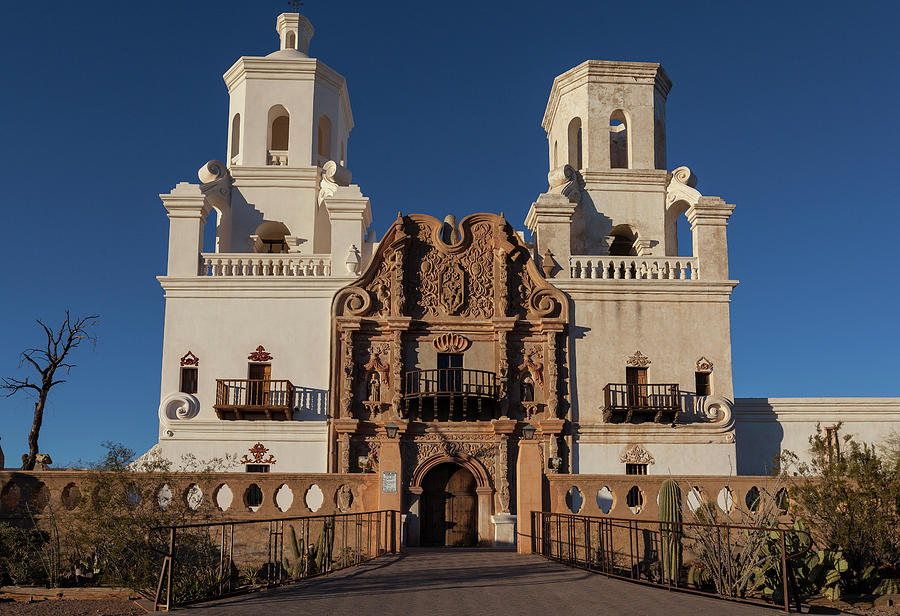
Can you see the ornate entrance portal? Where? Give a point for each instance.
(449, 507)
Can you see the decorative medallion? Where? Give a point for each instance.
(638, 360)
(636, 454)
(189, 359)
(259, 354)
(704, 365)
(450, 343)
(258, 452)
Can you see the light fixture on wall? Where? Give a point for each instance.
(528, 432)
(391, 430)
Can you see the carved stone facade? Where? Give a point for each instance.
(456, 335)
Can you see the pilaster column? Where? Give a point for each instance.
(390, 469)
(187, 209)
(550, 220)
(350, 216)
(529, 491)
(709, 221)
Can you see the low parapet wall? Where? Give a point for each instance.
(608, 494)
(767, 426)
(229, 495)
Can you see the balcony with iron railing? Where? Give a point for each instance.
(640, 402)
(450, 394)
(254, 399)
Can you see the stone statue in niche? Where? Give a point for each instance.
(527, 389)
(533, 365)
(374, 393)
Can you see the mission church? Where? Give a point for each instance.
(305, 344)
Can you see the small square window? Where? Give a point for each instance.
(257, 468)
(189, 380)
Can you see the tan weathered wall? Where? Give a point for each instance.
(710, 487)
(40, 489)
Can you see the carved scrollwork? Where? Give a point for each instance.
(354, 302)
(636, 454)
(544, 303)
(347, 373)
(212, 171)
(567, 181)
(179, 405)
(638, 360)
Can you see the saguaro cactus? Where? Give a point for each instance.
(670, 530)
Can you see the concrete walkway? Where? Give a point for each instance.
(458, 582)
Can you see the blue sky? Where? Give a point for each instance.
(786, 109)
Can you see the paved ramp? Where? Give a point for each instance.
(478, 581)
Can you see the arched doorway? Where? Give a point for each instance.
(449, 507)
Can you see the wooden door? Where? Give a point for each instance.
(636, 384)
(448, 507)
(461, 509)
(259, 376)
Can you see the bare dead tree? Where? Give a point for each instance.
(46, 361)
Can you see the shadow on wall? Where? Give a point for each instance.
(758, 437)
(576, 332)
(589, 227)
(310, 404)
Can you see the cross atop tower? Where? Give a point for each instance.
(295, 4)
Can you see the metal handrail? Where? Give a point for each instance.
(378, 530)
(566, 550)
(450, 382)
(254, 392)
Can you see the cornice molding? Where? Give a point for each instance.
(244, 287)
(817, 410)
(275, 177)
(663, 290)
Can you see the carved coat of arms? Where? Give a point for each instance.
(451, 290)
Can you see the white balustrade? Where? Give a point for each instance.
(604, 267)
(278, 158)
(265, 265)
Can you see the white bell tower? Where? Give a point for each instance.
(289, 115)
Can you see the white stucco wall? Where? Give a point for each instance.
(222, 321)
(767, 426)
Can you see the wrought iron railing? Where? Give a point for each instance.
(643, 401)
(253, 398)
(633, 550)
(450, 382)
(208, 560)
